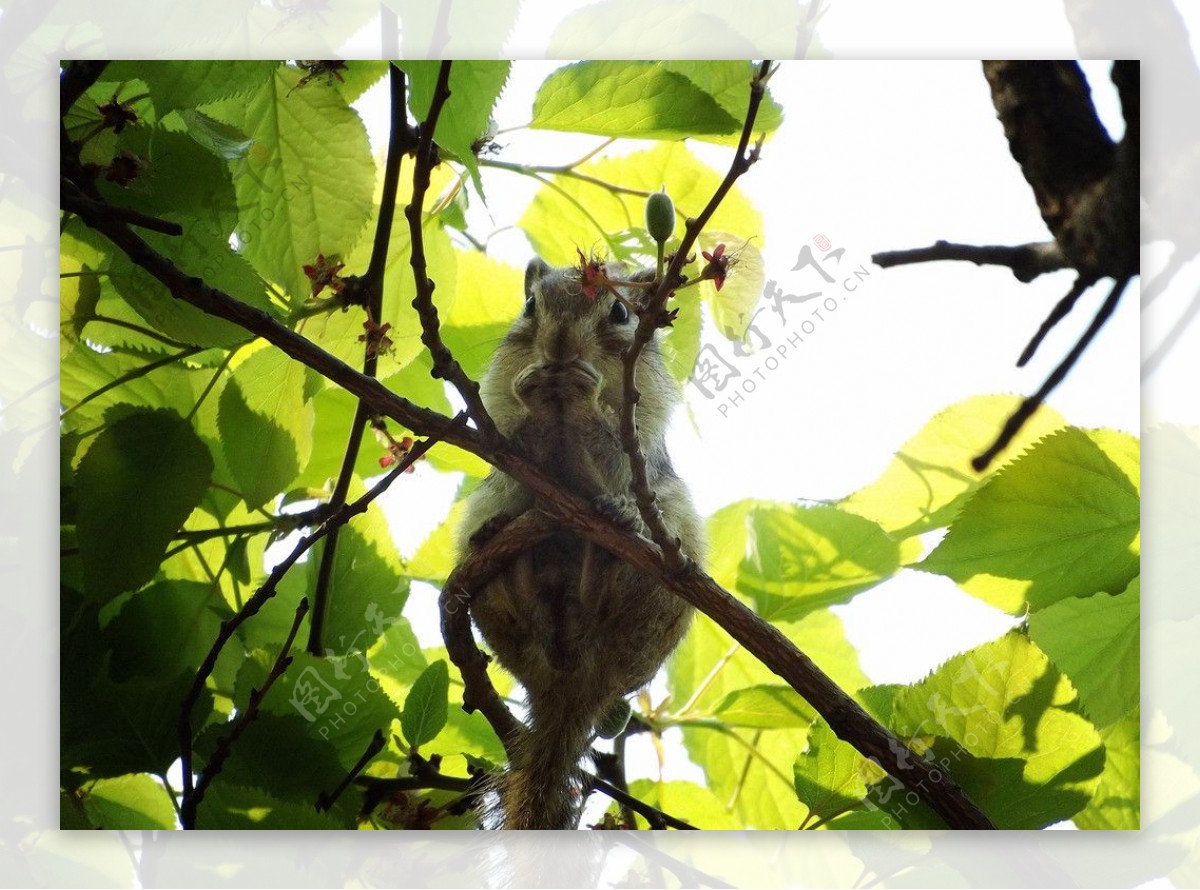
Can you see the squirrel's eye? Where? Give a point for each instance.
(530, 307)
(619, 313)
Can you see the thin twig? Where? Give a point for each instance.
(327, 799)
(193, 797)
(1026, 261)
(282, 522)
(653, 315)
(1060, 311)
(129, 376)
(1025, 410)
(444, 365)
(656, 817)
(260, 598)
(369, 290)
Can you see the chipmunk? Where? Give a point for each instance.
(578, 628)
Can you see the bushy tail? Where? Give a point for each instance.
(543, 788)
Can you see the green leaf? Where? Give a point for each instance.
(930, 477)
(226, 142)
(750, 770)
(265, 424)
(1000, 719)
(628, 99)
(733, 305)
(136, 485)
(831, 776)
(436, 557)
(276, 754)
(164, 629)
(1060, 521)
(1117, 801)
(187, 184)
(799, 559)
(767, 706)
(728, 82)
(360, 75)
(367, 585)
(424, 712)
(129, 802)
(557, 225)
(305, 186)
(228, 807)
(685, 800)
(186, 84)
(84, 371)
(681, 342)
(489, 298)
(337, 697)
(474, 88)
(396, 660)
(1096, 642)
(109, 729)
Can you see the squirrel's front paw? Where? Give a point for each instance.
(619, 509)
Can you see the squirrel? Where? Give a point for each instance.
(578, 628)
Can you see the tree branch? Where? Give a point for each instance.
(1032, 403)
(76, 80)
(192, 797)
(256, 602)
(473, 573)
(1027, 261)
(73, 200)
(444, 365)
(326, 799)
(653, 315)
(368, 292)
(654, 816)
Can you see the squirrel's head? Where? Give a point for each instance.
(568, 322)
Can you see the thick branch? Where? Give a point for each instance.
(445, 366)
(1027, 261)
(76, 80)
(75, 201)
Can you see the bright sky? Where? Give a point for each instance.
(874, 156)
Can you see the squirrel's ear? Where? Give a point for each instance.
(643, 275)
(534, 272)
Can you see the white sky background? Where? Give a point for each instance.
(876, 156)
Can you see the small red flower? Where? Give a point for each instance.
(324, 274)
(125, 168)
(592, 275)
(115, 114)
(376, 337)
(718, 265)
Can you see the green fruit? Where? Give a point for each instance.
(660, 216)
(616, 718)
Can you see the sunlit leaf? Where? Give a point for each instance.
(930, 477)
(1096, 642)
(1060, 521)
